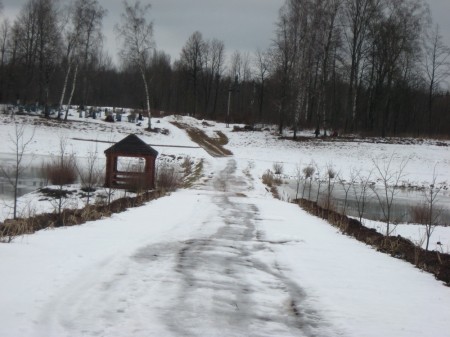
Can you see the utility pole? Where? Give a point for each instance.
(233, 87)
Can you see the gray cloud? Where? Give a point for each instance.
(243, 25)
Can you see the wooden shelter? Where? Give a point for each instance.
(140, 174)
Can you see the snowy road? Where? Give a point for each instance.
(221, 259)
(224, 283)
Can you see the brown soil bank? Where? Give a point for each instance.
(433, 262)
(213, 146)
(71, 217)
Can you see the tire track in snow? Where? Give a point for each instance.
(228, 290)
(225, 284)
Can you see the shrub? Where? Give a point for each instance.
(187, 165)
(278, 168)
(167, 178)
(61, 171)
(269, 179)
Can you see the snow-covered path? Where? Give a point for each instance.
(227, 283)
(221, 259)
(208, 274)
(231, 282)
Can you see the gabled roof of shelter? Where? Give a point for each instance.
(132, 145)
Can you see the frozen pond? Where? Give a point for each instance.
(31, 179)
(404, 200)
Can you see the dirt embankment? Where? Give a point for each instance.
(433, 262)
(11, 229)
(214, 146)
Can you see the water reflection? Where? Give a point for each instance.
(401, 211)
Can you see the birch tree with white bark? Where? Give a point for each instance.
(136, 33)
(82, 37)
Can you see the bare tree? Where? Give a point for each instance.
(61, 171)
(360, 192)
(298, 174)
(88, 15)
(217, 52)
(357, 16)
(427, 213)
(82, 37)
(71, 37)
(330, 175)
(192, 59)
(136, 33)
(308, 171)
(39, 45)
(20, 139)
(346, 186)
(390, 178)
(319, 183)
(262, 60)
(436, 64)
(90, 174)
(5, 32)
(283, 58)
(213, 63)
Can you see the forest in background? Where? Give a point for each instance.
(376, 67)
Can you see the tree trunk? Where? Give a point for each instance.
(147, 98)
(74, 82)
(63, 93)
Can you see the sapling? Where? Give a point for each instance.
(426, 213)
(20, 140)
(331, 175)
(90, 175)
(308, 171)
(60, 171)
(298, 178)
(319, 182)
(346, 187)
(390, 178)
(360, 192)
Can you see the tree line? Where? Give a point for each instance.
(377, 67)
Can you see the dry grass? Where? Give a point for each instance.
(431, 261)
(60, 172)
(278, 168)
(269, 179)
(420, 214)
(167, 178)
(195, 174)
(11, 229)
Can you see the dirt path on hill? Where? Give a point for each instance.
(213, 147)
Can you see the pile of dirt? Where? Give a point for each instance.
(213, 146)
(433, 262)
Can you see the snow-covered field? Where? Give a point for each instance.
(223, 258)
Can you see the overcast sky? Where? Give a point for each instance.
(243, 25)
